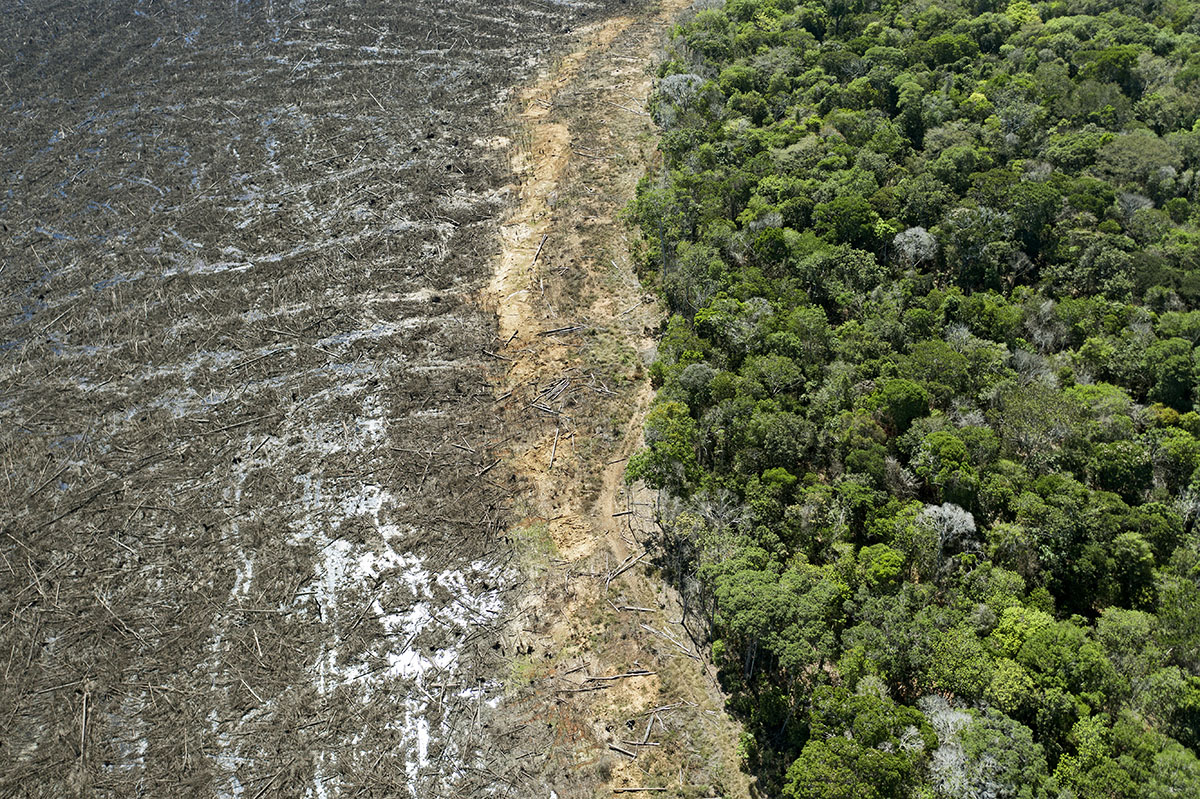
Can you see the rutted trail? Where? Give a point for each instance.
(541, 164)
(542, 228)
(576, 329)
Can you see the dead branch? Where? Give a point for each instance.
(678, 645)
(541, 244)
(637, 790)
(626, 565)
(568, 329)
(635, 673)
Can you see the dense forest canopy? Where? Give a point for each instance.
(926, 427)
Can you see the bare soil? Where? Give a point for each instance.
(607, 692)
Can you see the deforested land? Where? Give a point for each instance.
(260, 440)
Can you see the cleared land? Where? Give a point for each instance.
(248, 440)
(607, 693)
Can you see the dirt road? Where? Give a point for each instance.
(607, 692)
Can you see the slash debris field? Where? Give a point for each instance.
(250, 495)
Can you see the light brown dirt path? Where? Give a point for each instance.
(606, 691)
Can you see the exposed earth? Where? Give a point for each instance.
(616, 696)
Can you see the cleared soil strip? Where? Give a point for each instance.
(578, 331)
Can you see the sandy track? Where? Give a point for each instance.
(576, 329)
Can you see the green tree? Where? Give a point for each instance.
(848, 220)
(942, 461)
(1123, 467)
(960, 665)
(880, 566)
(860, 747)
(669, 461)
(977, 246)
(838, 278)
(1170, 364)
(1132, 572)
(1012, 689)
(900, 401)
(1002, 759)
